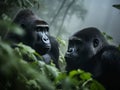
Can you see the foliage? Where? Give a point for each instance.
(6, 26)
(6, 5)
(62, 47)
(117, 6)
(21, 68)
(108, 37)
(119, 46)
(17, 74)
(21, 3)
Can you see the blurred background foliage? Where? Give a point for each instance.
(29, 73)
(20, 68)
(117, 6)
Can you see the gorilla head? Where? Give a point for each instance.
(82, 46)
(36, 29)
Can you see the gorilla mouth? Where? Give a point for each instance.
(69, 56)
(44, 46)
(42, 49)
(47, 46)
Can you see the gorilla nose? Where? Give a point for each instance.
(45, 39)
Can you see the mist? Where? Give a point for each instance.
(102, 15)
(81, 14)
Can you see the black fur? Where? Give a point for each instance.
(90, 51)
(36, 35)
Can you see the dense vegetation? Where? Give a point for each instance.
(21, 68)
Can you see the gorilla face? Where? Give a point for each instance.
(37, 36)
(79, 51)
(82, 46)
(36, 31)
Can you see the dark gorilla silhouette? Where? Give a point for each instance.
(90, 51)
(36, 35)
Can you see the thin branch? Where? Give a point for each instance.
(64, 17)
(63, 3)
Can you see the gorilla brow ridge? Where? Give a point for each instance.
(75, 38)
(41, 22)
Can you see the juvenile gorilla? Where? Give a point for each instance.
(36, 35)
(89, 50)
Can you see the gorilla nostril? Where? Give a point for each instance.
(45, 39)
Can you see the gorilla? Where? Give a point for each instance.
(36, 35)
(90, 51)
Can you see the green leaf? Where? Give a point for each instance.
(61, 41)
(117, 6)
(7, 26)
(26, 48)
(85, 76)
(96, 86)
(108, 37)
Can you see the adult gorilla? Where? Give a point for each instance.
(36, 35)
(89, 50)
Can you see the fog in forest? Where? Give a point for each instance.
(65, 17)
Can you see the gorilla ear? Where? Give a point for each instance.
(95, 42)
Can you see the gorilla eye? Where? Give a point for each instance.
(38, 29)
(95, 42)
(46, 29)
